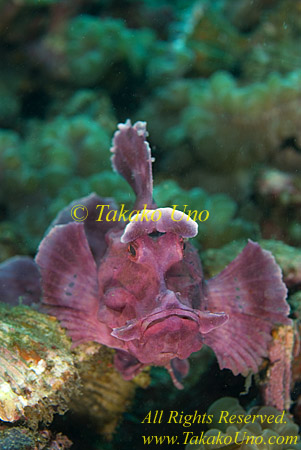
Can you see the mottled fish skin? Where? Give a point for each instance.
(139, 287)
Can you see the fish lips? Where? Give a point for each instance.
(135, 329)
(168, 333)
(205, 320)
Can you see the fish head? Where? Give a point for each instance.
(148, 301)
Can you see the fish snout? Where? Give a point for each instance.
(169, 299)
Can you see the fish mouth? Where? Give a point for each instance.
(135, 329)
(163, 315)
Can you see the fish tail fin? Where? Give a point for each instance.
(251, 291)
(132, 160)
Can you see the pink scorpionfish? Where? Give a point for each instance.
(138, 286)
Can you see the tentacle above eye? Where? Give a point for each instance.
(162, 220)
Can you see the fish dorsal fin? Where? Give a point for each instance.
(132, 160)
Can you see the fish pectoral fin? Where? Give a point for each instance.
(251, 291)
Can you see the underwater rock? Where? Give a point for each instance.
(288, 258)
(287, 431)
(37, 371)
(40, 375)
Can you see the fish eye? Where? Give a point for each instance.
(132, 251)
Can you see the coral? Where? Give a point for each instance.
(106, 42)
(85, 61)
(288, 258)
(249, 37)
(279, 196)
(67, 146)
(246, 14)
(92, 103)
(37, 372)
(58, 160)
(74, 146)
(274, 44)
(249, 431)
(221, 227)
(205, 41)
(221, 126)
